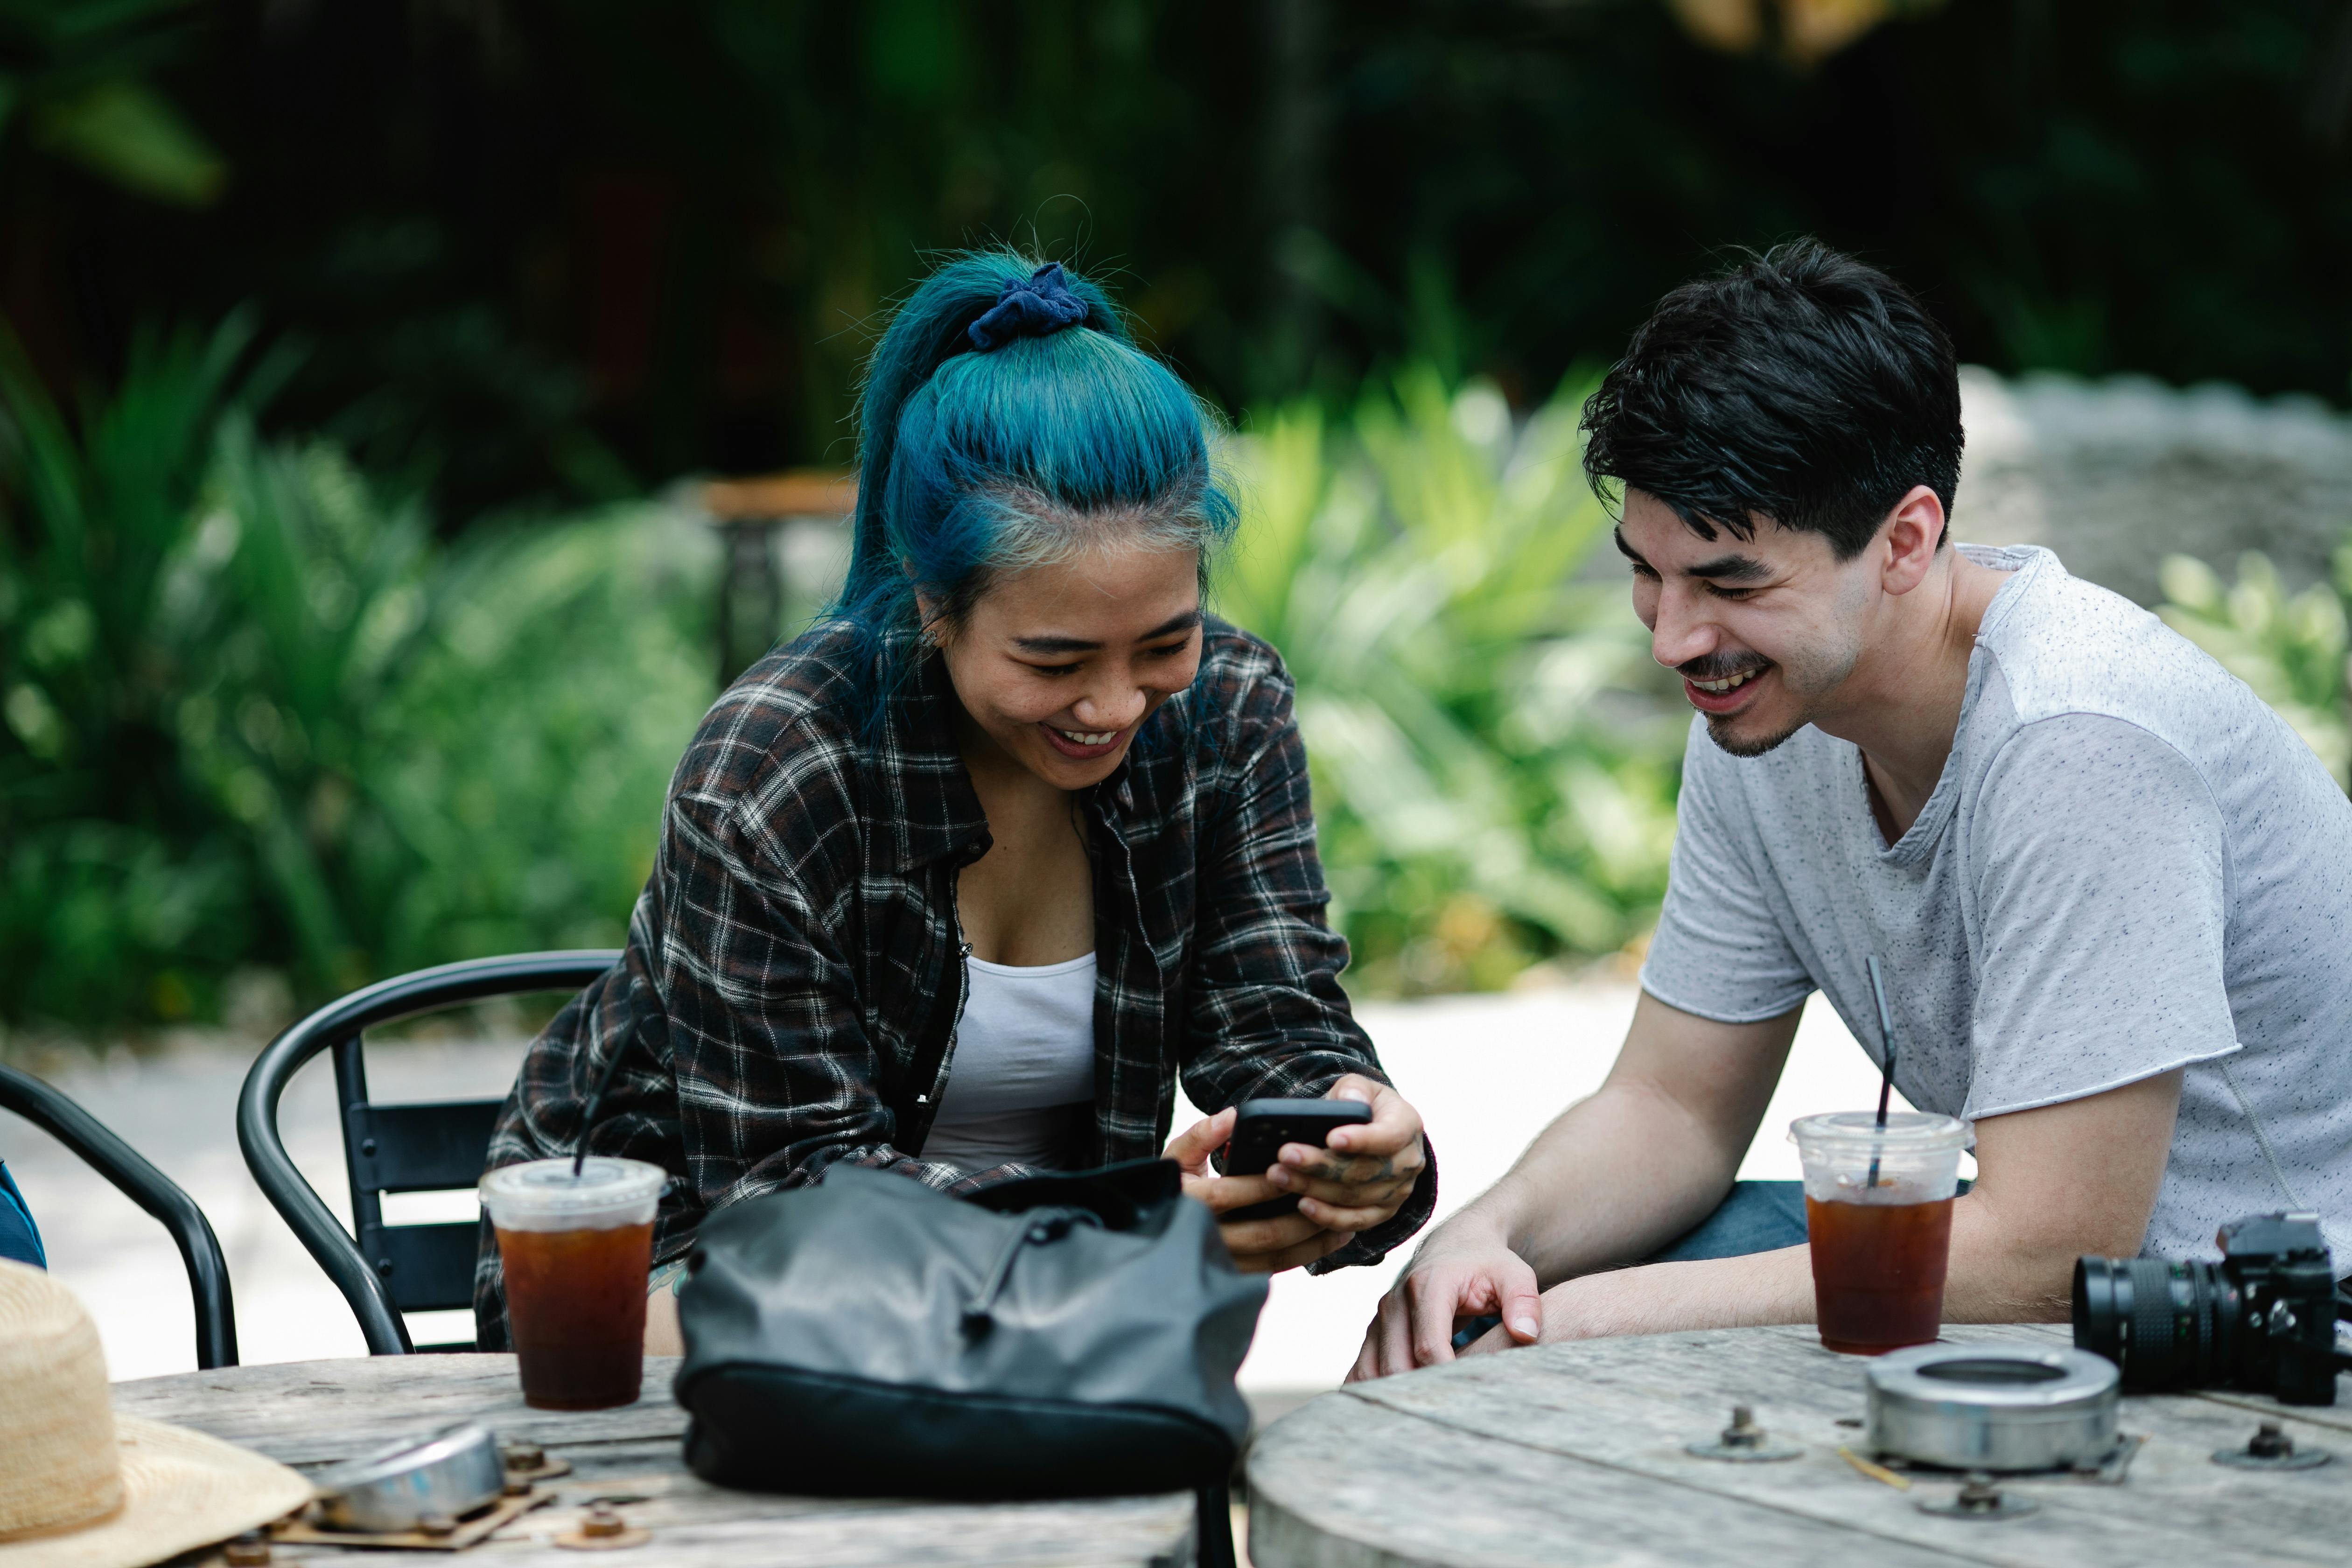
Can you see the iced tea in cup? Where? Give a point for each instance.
(576, 1251)
(1878, 1217)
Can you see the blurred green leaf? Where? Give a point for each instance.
(255, 716)
(2289, 649)
(124, 132)
(1494, 773)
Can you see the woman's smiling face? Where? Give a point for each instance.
(1059, 665)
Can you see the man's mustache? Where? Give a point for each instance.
(1720, 665)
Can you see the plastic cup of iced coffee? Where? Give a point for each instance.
(1878, 1219)
(576, 1251)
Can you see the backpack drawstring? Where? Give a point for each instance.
(1043, 1228)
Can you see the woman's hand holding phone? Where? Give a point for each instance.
(1359, 1179)
(1258, 1246)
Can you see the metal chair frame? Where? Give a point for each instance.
(381, 1270)
(59, 1115)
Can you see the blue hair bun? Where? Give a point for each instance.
(1036, 306)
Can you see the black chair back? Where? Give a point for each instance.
(57, 1114)
(383, 1270)
(430, 1148)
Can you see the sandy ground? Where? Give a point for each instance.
(1487, 1073)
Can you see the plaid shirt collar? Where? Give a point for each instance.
(918, 761)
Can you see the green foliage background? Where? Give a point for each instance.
(337, 636)
(2289, 647)
(1495, 761)
(255, 716)
(548, 254)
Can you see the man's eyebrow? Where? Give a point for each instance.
(1169, 627)
(1732, 568)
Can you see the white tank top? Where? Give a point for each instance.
(1022, 1086)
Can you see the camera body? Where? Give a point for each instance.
(2262, 1319)
(2287, 1279)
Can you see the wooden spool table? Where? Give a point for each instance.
(1573, 1454)
(310, 1414)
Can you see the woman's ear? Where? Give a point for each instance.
(927, 616)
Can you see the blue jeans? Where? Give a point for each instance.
(1758, 1216)
(20, 1241)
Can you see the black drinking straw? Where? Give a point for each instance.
(605, 1082)
(1887, 1062)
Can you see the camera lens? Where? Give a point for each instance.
(2165, 1325)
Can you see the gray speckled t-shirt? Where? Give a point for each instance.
(2129, 865)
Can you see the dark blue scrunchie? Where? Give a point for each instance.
(1036, 306)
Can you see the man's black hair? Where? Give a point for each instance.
(1802, 386)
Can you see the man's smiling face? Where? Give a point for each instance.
(1763, 631)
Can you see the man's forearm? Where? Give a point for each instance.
(1614, 1179)
(1994, 1276)
(1665, 1298)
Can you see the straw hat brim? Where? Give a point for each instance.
(180, 1489)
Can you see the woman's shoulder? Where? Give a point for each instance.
(1242, 684)
(1238, 705)
(786, 729)
(1229, 653)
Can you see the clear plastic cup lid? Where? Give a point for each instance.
(548, 1187)
(1917, 1132)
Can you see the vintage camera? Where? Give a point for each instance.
(2262, 1319)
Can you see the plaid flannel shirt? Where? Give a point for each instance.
(794, 977)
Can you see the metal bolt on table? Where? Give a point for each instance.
(1743, 1442)
(1980, 1497)
(2272, 1448)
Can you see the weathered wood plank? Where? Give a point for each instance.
(1626, 1406)
(308, 1413)
(1343, 1484)
(1136, 1532)
(2335, 1417)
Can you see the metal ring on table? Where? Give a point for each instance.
(2002, 1407)
(448, 1475)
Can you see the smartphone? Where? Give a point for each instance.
(1262, 1126)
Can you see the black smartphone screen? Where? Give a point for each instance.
(1262, 1126)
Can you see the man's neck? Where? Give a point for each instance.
(1902, 706)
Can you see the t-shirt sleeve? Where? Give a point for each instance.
(2100, 870)
(1719, 951)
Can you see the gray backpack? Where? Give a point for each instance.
(1065, 1336)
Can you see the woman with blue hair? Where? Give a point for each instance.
(964, 881)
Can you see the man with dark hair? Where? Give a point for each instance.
(2109, 889)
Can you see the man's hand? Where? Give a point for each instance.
(1462, 1271)
(2051, 1183)
(1760, 1287)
